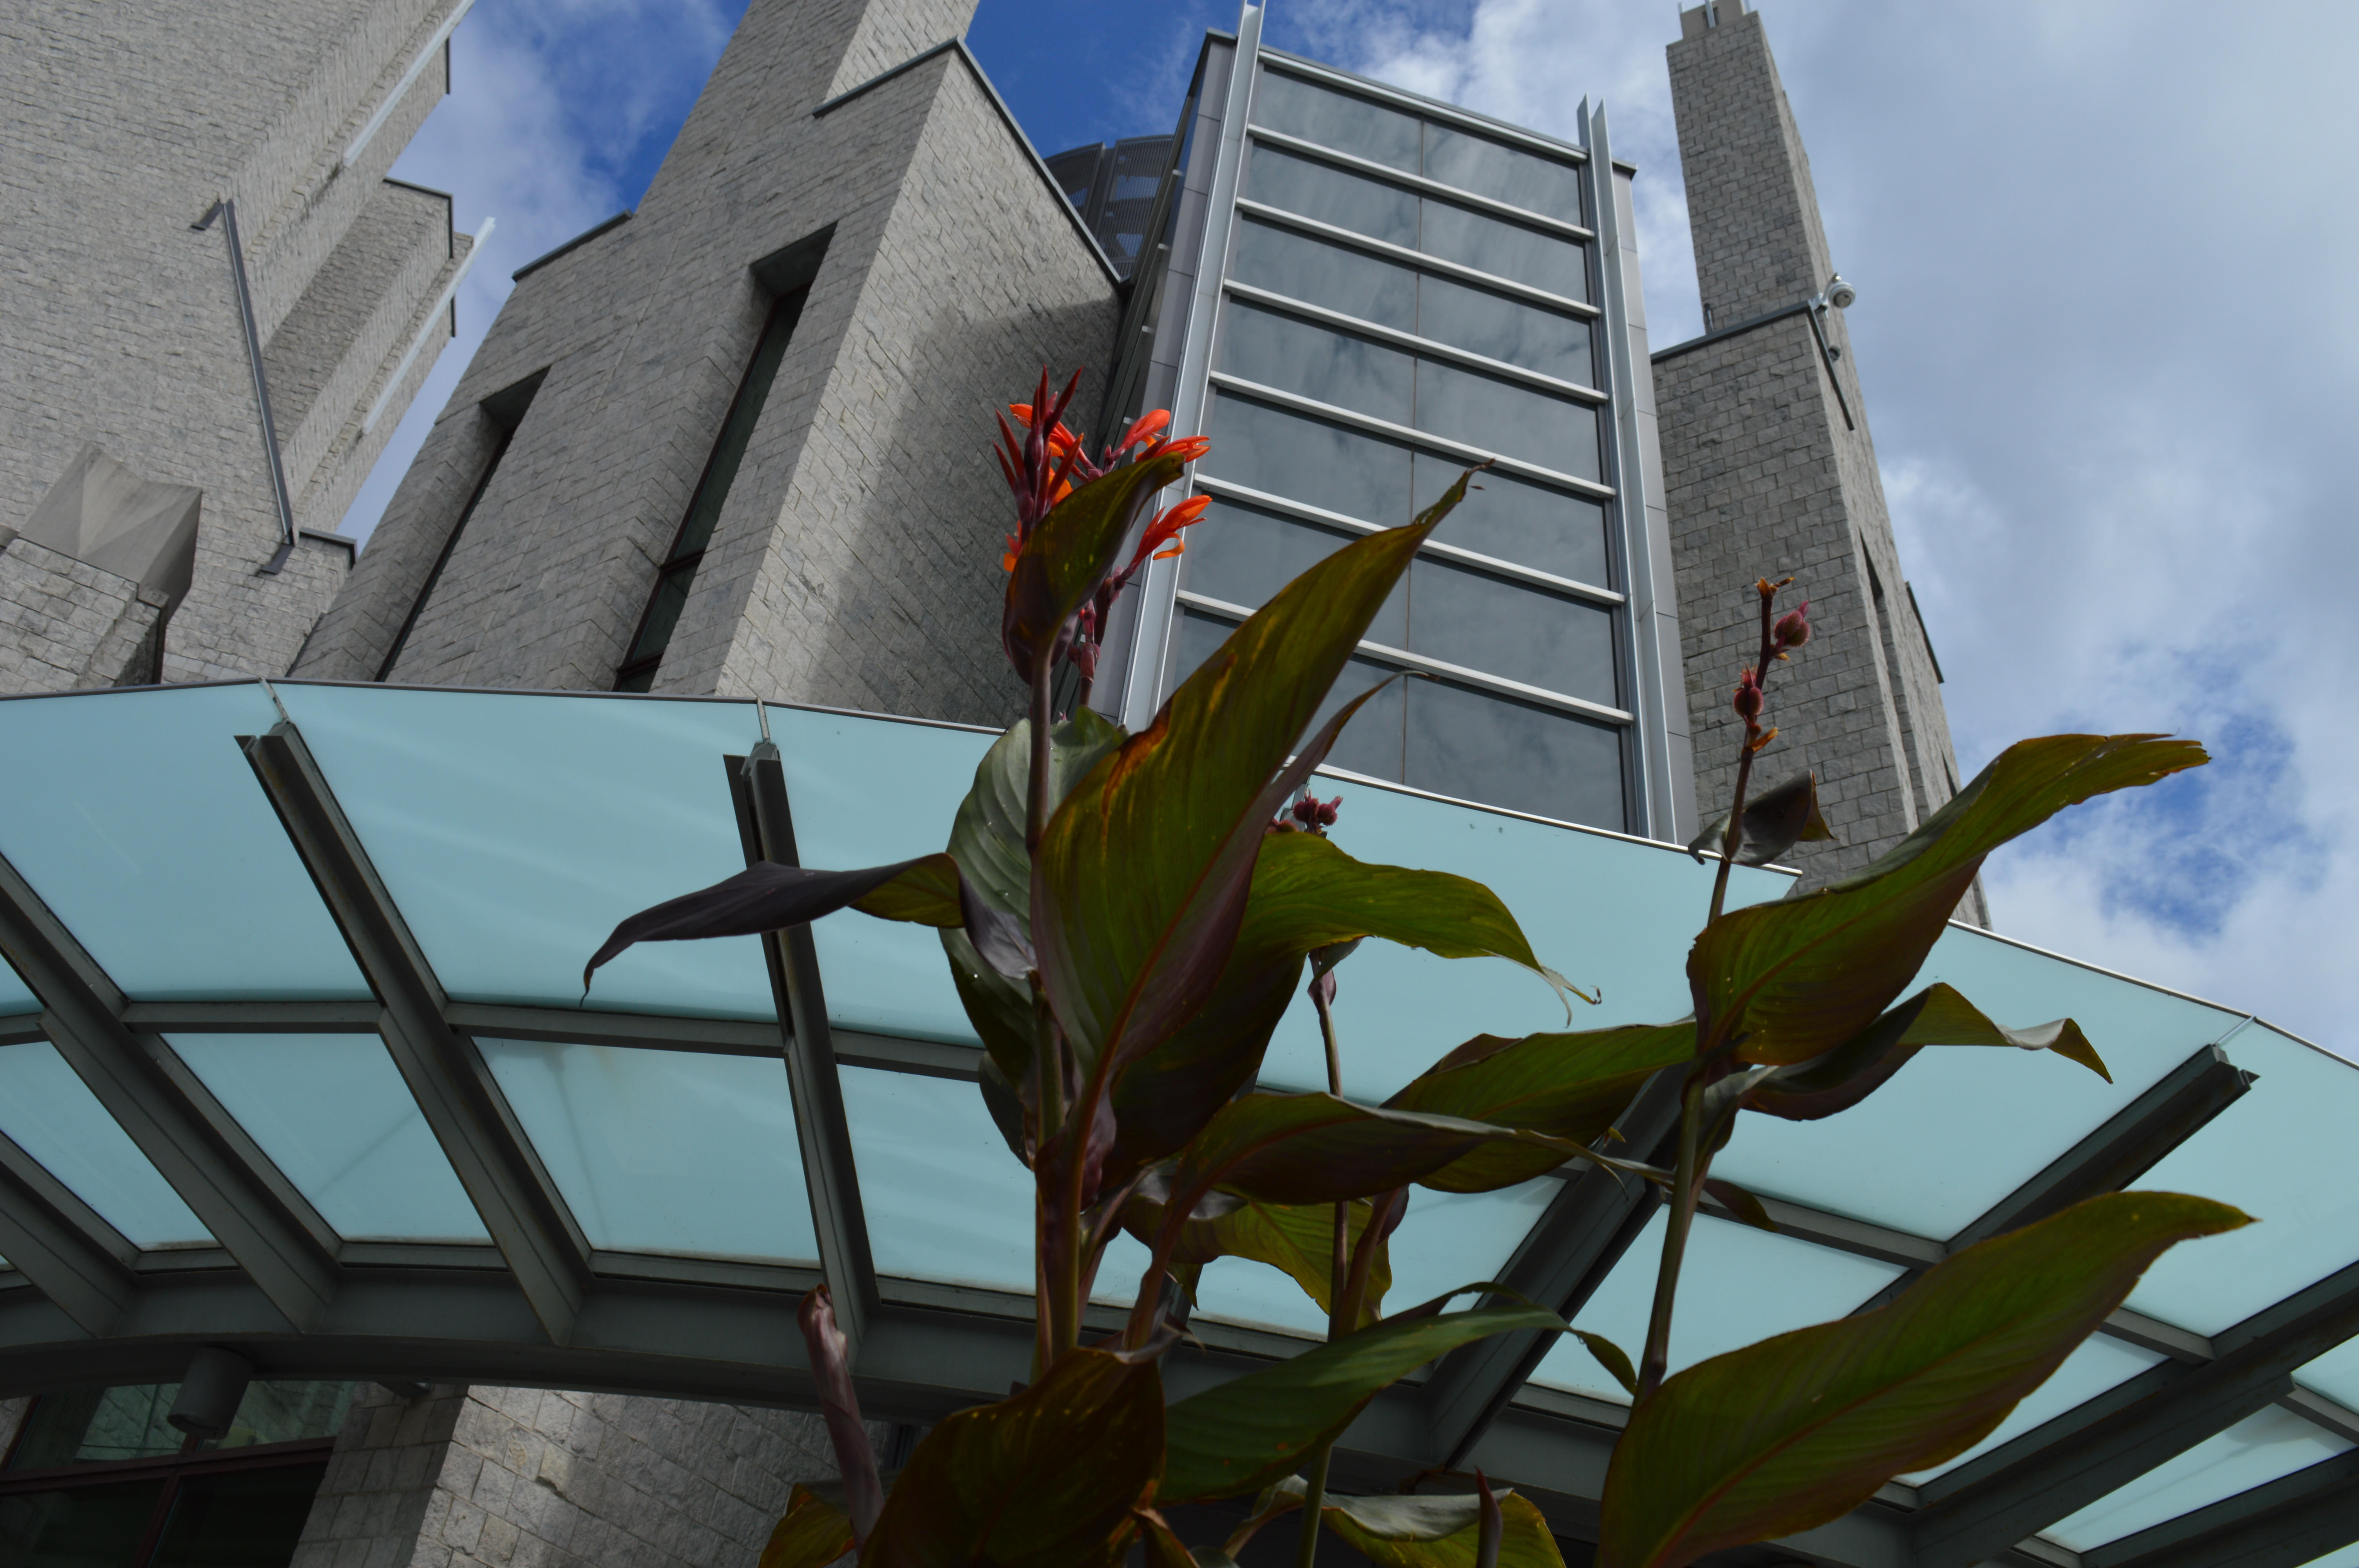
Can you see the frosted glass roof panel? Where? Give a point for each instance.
(16, 996)
(1957, 1129)
(2255, 1451)
(371, 1167)
(2275, 1154)
(1399, 1011)
(138, 821)
(515, 830)
(2100, 1363)
(665, 1151)
(1739, 1286)
(867, 792)
(53, 1117)
(2346, 1558)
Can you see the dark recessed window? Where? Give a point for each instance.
(679, 575)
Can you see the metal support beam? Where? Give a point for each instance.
(1582, 1234)
(2291, 1520)
(53, 1238)
(2079, 1457)
(454, 1088)
(758, 783)
(82, 1017)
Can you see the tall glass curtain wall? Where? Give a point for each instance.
(1374, 335)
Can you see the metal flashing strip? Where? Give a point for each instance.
(1571, 587)
(1424, 186)
(425, 325)
(1442, 446)
(1418, 259)
(1427, 348)
(569, 247)
(392, 100)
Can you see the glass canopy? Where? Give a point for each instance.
(294, 1056)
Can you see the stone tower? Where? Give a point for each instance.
(185, 416)
(1771, 470)
(736, 444)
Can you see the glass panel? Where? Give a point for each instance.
(190, 890)
(2101, 1363)
(945, 1199)
(2253, 1453)
(1445, 1241)
(869, 792)
(93, 1426)
(87, 1527)
(663, 610)
(1957, 1129)
(1338, 120)
(1300, 267)
(54, 1118)
(1504, 249)
(1516, 520)
(245, 1519)
(1739, 1286)
(1324, 192)
(286, 1412)
(1290, 353)
(2346, 1558)
(1397, 1011)
(2303, 1105)
(1477, 745)
(1482, 322)
(515, 830)
(1502, 172)
(1483, 622)
(665, 1151)
(333, 1115)
(1506, 416)
(1309, 459)
(1243, 554)
(16, 996)
(1371, 741)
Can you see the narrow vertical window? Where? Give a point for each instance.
(679, 575)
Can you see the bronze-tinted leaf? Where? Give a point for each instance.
(1776, 820)
(1938, 1015)
(1298, 1240)
(1612, 1358)
(813, 1534)
(1798, 1430)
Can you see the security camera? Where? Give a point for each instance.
(1840, 294)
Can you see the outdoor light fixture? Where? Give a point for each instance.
(208, 1395)
(1838, 293)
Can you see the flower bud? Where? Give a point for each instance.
(1793, 628)
(1747, 701)
(1315, 814)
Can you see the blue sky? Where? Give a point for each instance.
(2106, 329)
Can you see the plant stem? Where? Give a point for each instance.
(1037, 803)
(1735, 837)
(1684, 1183)
(1314, 1499)
(1315, 1496)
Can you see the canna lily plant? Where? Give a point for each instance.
(1126, 916)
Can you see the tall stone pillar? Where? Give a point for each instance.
(1769, 470)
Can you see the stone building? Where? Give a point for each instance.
(715, 447)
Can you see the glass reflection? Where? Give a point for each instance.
(1514, 520)
(1503, 416)
(1503, 173)
(1371, 741)
(1338, 120)
(1309, 459)
(1334, 276)
(1482, 623)
(1508, 250)
(664, 1151)
(1492, 324)
(1291, 353)
(1477, 745)
(1241, 555)
(1327, 194)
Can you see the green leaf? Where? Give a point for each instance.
(813, 1533)
(1307, 894)
(1797, 978)
(1570, 1087)
(1165, 1549)
(987, 840)
(1249, 1432)
(1775, 821)
(1298, 1240)
(1143, 873)
(1798, 1430)
(1938, 1015)
(1373, 1526)
(1049, 1477)
(1073, 549)
(1612, 1358)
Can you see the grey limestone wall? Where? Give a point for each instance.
(855, 562)
(1771, 470)
(498, 1477)
(66, 625)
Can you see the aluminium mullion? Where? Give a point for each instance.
(81, 1017)
(520, 1208)
(823, 1129)
(2283, 1523)
(1424, 184)
(1409, 342)
(61, 1246)
(1352, 239)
